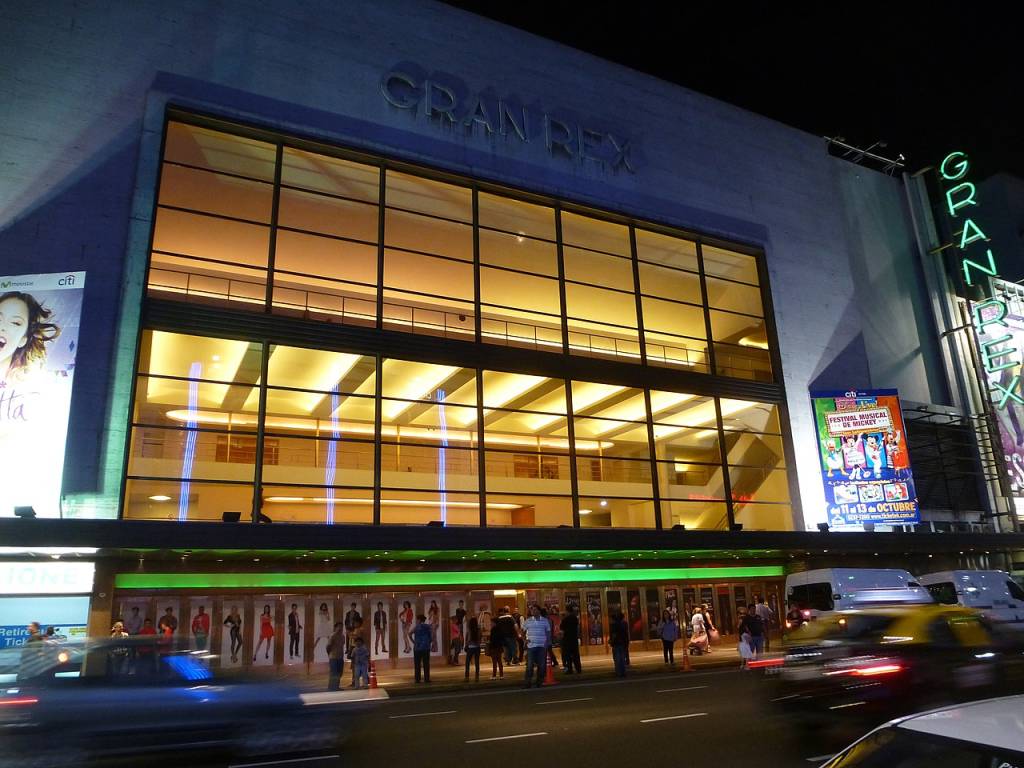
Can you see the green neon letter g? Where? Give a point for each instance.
(958, 160)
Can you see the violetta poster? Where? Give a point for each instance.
(865, 468)
(39, 319)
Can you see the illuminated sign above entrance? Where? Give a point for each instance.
(439, 99)
(997, 346)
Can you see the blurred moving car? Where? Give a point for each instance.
(823, 591)
(983, 734)
(994, 593)
(139, 700)
(895, 659)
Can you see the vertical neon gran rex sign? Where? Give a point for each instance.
(995, 355)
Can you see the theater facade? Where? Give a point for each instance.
(376, 326)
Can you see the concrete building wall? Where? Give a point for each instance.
(83, 86)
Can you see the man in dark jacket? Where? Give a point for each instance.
(571, 641)
(422, 637)
(508, 629)
(336, 656)
(752, 625)
(618, 639)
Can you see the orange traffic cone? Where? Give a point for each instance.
(686, 661)
(549, 678)
(373, 675)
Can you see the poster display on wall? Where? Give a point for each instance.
(595, 631)
(167, 622)
(39, 319)
(865, 468)
(1000, 327)
(323, 627)
(133, 612)
(380, 626)
(432, 606)
(295, 626)
(406, 622)
(67, 614)
(200, 623)
(353, 619)
(264, 630)
(232, 621)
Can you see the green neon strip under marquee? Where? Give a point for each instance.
(433, 578)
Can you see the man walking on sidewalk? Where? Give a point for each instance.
(538, 638)
(618, 639)
(766, 614)
(422, 637)
(336, 657)
(571, 641)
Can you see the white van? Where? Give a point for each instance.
(825, 590)
(993, 593)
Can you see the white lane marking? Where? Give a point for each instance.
(321, 698)
(563, 701)
(673, 690)
(423, 714)
(502, 738)
(819, 758)
(674, 717)
(844, 706)
(282, 762)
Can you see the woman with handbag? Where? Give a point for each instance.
(709, 627)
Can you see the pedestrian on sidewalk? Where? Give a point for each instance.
(455, 644)
(618, 639)
(709, 627)
(508, 634)
(552, 616)
(767, 616)
(422, 637)
(336, 657)
(752, 626)
(496, 649)
(520, 636)
(668, 631)
(571, 641)
(361, 664)
(473, 647)
(538, 638)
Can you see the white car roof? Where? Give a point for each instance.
(992, 722)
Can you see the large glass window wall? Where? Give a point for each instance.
(271, 227)
(314, 436)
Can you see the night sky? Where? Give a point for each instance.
(924, 78)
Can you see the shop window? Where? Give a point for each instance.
(522, 510)
(608, 512)
(238, 449)
(185, 500)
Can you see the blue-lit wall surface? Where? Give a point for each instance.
(83, 90)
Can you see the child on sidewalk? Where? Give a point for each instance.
(360, 656)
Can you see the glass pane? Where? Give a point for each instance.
(328, 215)
(598, 269)
(525, 511)
(215, 193)
(527, 472)
(203, 281)
(530, 431)
(295, 504)
(325, 300)
(432, 315)
(764, 517)
(191, 454)
(317, 462)
(412, 508)
(199, 357)
(677, 319)
(751, 449)
(688, 481)
(670, 284)
(315, 260)
(318, 369)
(312, 414)
(403, 421)
(738, 329)
(665, 250)
(730, 265)
(743, 362)
(759, 484)
(750, 416)
(520, 390)
(175, 403)
(414, 193)
(605, 437)
(518, 328)
(518, 252)
(614, 477)
(595, 234)
(688, 444)
(410, 380)
(332, 175)
(677, 352)
(600, 306)
(424, 233)
(219, 151)
(427, 275)
(681, 409)
(512, 289)
(421, 467)
(616, 513)
(737, 297)
(515, 216)
(695, 515)
(192, 501)
(190, 234)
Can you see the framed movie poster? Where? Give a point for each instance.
(167, 622)
(406, 622)
(295, 630)
(232, 620)
(264, 630)
(323, 627)
(380, 627)
(133, 613)
(353, 618)
(200, 623)
(595, 628)
(432, 610)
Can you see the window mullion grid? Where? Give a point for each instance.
(481, 452)
(639, 302)
(377, 417)
(477, 334)
(656, 490)
(561, 291)
(257, 490)
(274, 210)
(381, 200)
(712, 366)
(723, 450)
(574, 484)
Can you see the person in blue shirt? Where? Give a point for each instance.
(422, 637)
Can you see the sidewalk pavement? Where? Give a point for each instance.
(445, 678)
